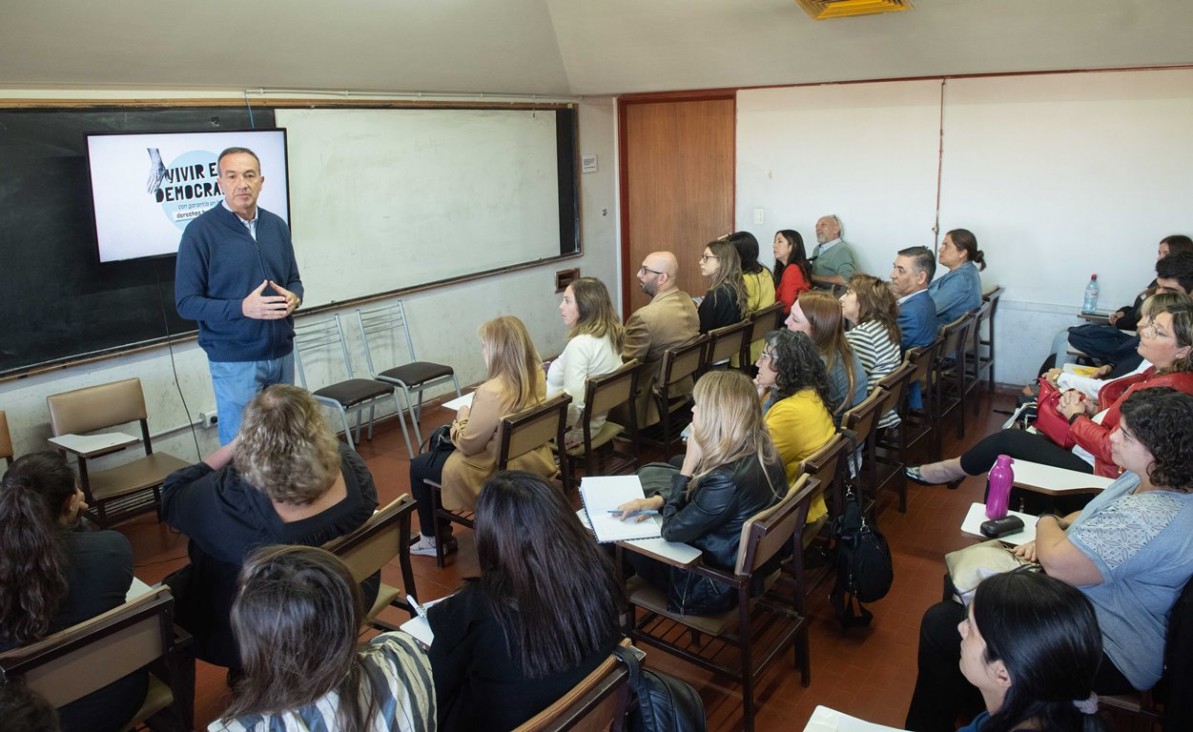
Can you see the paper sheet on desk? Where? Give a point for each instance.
(825, 719)
(460, 401)
(678, 552)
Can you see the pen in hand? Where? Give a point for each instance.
(628, 514)
(418, 609)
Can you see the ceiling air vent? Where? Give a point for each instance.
(826, 9)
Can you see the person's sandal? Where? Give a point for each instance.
(915, 476)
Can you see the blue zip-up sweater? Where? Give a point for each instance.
(219, 264)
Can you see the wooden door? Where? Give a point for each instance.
(677, 183)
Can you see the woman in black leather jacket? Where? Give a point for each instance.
(730, 472)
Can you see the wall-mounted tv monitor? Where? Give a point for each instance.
(146, 187)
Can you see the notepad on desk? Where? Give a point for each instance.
(91, 444)
(603, 494)
(460, 401)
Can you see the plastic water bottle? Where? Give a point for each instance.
(998, 496)
(1090, 303)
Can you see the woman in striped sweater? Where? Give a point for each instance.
(870, 307)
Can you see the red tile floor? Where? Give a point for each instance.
(866, 672)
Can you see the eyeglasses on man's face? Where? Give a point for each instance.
(644, 269)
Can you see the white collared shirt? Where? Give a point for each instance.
(250, 224)
(905, 298)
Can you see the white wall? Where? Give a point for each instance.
(445, 322)
(1058, 175)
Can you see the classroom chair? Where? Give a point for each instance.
(761, 322)
(761, 627)
(73, 663)
(679, 364)
(518, 434)
(948, 376)
(322, 342)
(388, 328)
(116, 493)
(983, 354)
(890, 455)
(727, 343)
(597, 704)
(862, 422)
(602, 394)
(368, 549)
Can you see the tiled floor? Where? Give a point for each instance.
(866, 672)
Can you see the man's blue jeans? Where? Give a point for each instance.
(237, 382)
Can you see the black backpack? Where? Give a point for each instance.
(662, 703)
(864, 571)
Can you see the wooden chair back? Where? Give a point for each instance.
(725, 343)
(6, 450)
(97, 407)
(597, 704)
(681, 362)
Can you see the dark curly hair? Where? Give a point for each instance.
(1162, 419)
(797, 365)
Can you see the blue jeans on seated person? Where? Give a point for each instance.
(236, 383)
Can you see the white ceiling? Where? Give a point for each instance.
(564, 47)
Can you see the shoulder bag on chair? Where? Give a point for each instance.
(864, 568)
(663, 703)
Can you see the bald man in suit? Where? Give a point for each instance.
(668, 320)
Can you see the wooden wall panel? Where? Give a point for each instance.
(677, 182)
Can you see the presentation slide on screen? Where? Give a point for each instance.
(147, 187)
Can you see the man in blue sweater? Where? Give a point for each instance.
(236, 275)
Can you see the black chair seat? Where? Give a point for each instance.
(417, 372)
(355, 391)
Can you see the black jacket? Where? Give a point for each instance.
(710, 518)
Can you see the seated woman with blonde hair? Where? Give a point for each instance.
(285, 479)
(730, 472)
(595, 338)
(297, 618)
(515, 383)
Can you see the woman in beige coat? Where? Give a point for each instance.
(515, 383)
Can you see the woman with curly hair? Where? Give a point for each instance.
(818, 315)
(1130, 552)
(726, 302)
(285, 479)
(595, 338)
(793, 386)
(870, 306)
(542, 615)
(53, 575)
(730, 472)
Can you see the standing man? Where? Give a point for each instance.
(833, 261)
(668, 320)
(236, 275)
(910, 275)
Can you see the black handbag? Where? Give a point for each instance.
(662, 703)
(438, 442)
(864, 568)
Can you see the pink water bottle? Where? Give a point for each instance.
(998, 496)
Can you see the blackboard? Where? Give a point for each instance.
(57, 301)
(59, 304)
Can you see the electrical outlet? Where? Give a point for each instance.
(209, 419)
